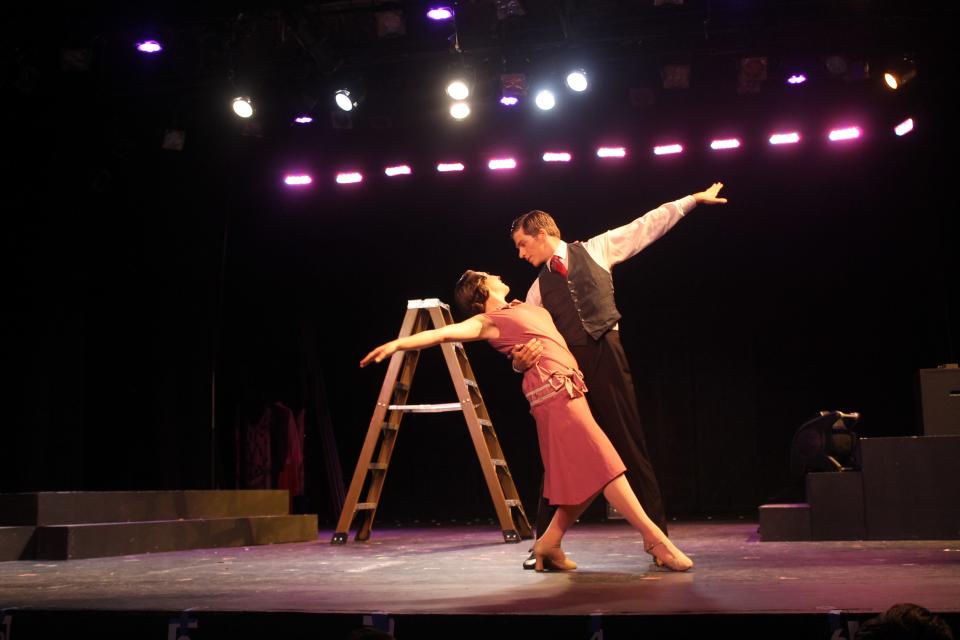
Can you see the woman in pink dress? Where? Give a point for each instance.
(578, 459)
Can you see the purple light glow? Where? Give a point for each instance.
(444, 167)
(797, 78)
(303, 119)
(351, 177)
(785, 138)
(667, 149)
(297, 180)
(149, 46)
(611, 152)
(440, 13)
(398, 170)
(847, 133)
(509, 101)
(557, 156)
(728, 143)
(904, 127)
(498, 164)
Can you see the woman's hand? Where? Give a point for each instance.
(378, 354)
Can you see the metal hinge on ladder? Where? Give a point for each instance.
(374, 461)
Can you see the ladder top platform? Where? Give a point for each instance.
(427, 303)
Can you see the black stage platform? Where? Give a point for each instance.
(464, 581)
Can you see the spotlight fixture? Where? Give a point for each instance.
(791, 137)
(577, 80)
(513, 86)
(303, 118)
(611, 152)
(904, 127)
(724, 143)
(459, 110)
(846, 133)
(446, 167)
(243, 107)
(440, 13)
(675, 76)
(345, 100)
(458, 90)
(557, 156)
(149, 46)
(796, 78)
(297, 180)
(499, 164)
(349, 177)
(900, 73)
(545, 100)
(753, 72)
(398, 170)
(667, 149)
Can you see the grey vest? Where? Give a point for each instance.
(582, 305)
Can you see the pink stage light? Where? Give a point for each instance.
(797, 78)
(611, 152)
(498, 164)
(847, 133)
(509, 101)
(301, 180)
(557, 156)
(785, 138)
(398, 170)
(667, 149)
(149, 46)
(444, 167)
(304, 119)
(351, 177)
(727, 143)
(904, 127)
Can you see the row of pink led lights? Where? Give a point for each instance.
(506, 164)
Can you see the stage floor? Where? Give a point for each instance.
(469, 570)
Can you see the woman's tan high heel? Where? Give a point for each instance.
(552, 559)
(670, 557)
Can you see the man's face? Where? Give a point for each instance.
(534, 249)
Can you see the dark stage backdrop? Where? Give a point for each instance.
(826, 283)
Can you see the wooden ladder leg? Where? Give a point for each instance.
(381, 437)
(496, 473)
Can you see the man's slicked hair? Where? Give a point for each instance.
(532, 221)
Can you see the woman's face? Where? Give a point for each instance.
(495, 285)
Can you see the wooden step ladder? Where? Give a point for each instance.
(384, 427)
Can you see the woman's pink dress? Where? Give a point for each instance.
(578, 458)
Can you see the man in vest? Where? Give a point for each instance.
(575, 285)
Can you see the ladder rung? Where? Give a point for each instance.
(366, 506)
(427, 408)
(377, 466)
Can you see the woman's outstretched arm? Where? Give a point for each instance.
(478, 327)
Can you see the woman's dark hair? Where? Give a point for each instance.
(471, 292)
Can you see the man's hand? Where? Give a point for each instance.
(526, 355)
(710, 195)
